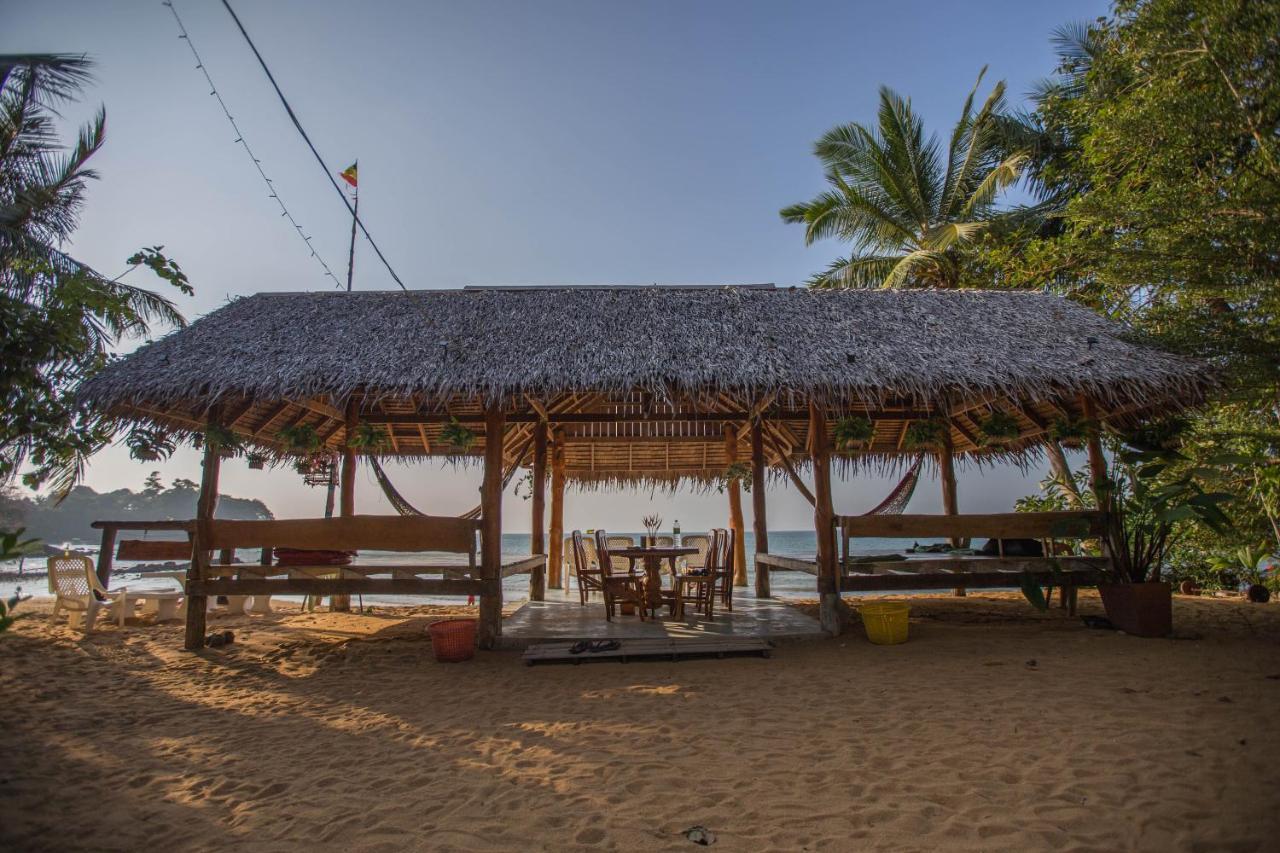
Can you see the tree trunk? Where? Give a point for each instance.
(759, 519)
(736, 525)
(537, 538)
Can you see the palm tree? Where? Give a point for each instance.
(906, 205)
(60, 317)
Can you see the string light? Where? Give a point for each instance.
(240, 139)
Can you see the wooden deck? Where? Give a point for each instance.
(561, 619)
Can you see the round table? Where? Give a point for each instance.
(652, 558)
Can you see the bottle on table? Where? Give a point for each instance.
(675, 532)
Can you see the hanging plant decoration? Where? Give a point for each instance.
(150, 445)
(301, 440)
(738, 472)
(456, 435)
(924, 435)
(369, 438)
(854, 433)
(257, 461)
(524, 486)
(1072, 432)
(1164, 434)
(999, 428)
(219, 439)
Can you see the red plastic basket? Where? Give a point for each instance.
(453, 640)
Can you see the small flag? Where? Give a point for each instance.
(349, 174)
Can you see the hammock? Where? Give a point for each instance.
(894, 504)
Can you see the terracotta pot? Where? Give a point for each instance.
(1141, 609)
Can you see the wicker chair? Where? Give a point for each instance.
(624, 586)
(703, 544)
(620, 565)
(693, 585)
(77, 590)
(590, 577)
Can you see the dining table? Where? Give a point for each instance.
(651, 556)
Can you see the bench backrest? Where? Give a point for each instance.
(350, 533)
(1079, 524)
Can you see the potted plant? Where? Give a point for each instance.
(457, 436)
(368, 438)
(1243, 567)
(999, 428)
(150, 445)
(652, 524)
(219, 439)
(853, 433)
(300, 440)
(1146, 506)
(257, 461)
(924, 435)
(1072, 432)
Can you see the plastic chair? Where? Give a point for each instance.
(76, 589)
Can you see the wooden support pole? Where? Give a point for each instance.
(206, 505)
(947, 474)
(347, 486)
(1099, 479)
(737, 528)
(537, 536)
(490, 627)
(759, 518)
(106, 555)
(555, 548)
(824, 514)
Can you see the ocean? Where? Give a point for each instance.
(800, 543)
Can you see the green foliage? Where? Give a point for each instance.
(738, 472)
(150, 444)
(60, 317)
(925, 435)
(456, 435)
(999, 427)
(906, 204)
(300, 439)
(852, 433)
(7, 618)
(1072, 432)
(1032, 592)
(219, 439)
(369, 437)
(13, 546)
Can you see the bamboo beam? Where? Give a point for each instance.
(829, 605)
(758, 515)
(555, 548)
(206, 505)
(490, 627)
(537, 536)
(737, 528)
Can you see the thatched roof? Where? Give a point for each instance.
(634, 353)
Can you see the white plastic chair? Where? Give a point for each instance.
(76, 589)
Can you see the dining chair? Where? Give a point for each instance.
(694, 583)
(722, 585)
(624, 586)
(702, 543)
(620, 564)
(590, 578)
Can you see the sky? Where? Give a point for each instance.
(552, 142)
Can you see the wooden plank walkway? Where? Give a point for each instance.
(650, 649)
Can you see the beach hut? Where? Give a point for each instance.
(627, 385)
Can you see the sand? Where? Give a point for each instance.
(994, 728)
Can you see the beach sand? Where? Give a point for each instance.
(994, 728)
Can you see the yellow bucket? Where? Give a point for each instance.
(885, 621)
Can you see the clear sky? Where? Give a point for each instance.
(577, 141)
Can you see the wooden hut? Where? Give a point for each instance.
(638, 385)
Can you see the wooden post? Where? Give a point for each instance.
(1099, 479)
(491, 529)
(1062, 471)
(347, 487)
(758, 516)
(206, 505)
(537, 536)
(947, 474)
(106, 555)
(737, 529)
(555, 548)
(829, 605)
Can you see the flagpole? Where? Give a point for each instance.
(355, 215)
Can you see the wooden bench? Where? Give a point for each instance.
(358, 532)
(960, 572)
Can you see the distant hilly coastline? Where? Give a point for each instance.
(70, 520)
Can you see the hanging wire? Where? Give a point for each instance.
(240, 139)
(328, 173)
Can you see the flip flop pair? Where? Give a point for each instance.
(593, 646)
